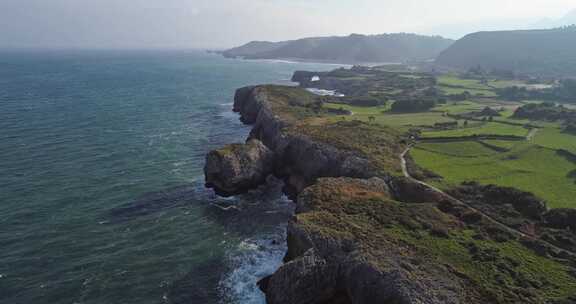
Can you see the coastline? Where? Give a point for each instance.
(323, 174)
(345, 64)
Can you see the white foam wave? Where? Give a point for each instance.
(228, 115)
(252, 260)
(278, 61)
(323, 92)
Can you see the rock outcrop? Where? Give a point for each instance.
(328, 266)
(299, 159)
(237, 168)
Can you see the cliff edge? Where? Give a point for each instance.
(362, 232)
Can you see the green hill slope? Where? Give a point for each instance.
(536, 52)
(350, 49)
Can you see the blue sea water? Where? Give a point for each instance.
(101, 187)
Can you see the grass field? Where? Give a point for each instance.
(528, 167)
(462, 107)
(533, 166)
(553, 137)
(505, 83)
(458, 149)
(406, 120)
(478, 128)
(358, 110)
(502, 144)
(459, 90)
(453, 85)
(382, 117)
(459, 107)
(452, 80)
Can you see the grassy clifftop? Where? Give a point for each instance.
(453, 255)
(305, 115)
(381, 145)
(430, 244)
(365, 233)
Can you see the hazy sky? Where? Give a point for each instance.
(225, 23)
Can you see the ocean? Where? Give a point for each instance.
(102, 197)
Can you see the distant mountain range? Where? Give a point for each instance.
(385, 48)
(535, 52)
(545, 52)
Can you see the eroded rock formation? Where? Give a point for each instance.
(292, 156)
(237, 168)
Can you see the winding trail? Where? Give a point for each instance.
(489, 218)
(532, 133)
(457, 201)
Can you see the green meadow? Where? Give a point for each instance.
(554, 138)
(478, 128)
(382, 116)
(453, 85)
(528, 167)
(535, 166)
(501, 144)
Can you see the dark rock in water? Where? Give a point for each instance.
(307, 279)
(238, 167)
(154, 202)
(249, 213)
(303, 76)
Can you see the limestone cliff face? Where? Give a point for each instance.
(324, 266)
(237, 168)
(320, 267)
(297, 159)
(363, 235)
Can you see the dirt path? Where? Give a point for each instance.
(469, 207)
(532, 133)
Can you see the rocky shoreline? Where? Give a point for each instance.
(362, 232)
(272, 149)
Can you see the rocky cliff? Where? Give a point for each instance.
(362, 233)
(297, 156)
(237, 168)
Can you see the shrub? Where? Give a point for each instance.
(413, 105)
(365, 101)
